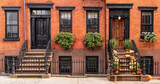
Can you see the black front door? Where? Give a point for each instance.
(41, 33)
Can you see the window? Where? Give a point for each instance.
(148, 64)
(65, 65)
(8, 63)
(92, 21)
(65, 21)
(40, 12)
(12, 24)
(147, 21)
(91, 64)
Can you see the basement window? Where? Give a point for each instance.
(65, 65)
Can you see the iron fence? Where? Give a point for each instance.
(78, 67)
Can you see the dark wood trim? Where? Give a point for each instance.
(119, 6)
(92, 8)
(69, 8)
(11, 8)
(40, 5)
(148, 8)
(11, 39)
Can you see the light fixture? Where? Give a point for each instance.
(119, 17)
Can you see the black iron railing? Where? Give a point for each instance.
(47, 54)
(78, 67)
(139, 57)
(21, 53)
(111, 57)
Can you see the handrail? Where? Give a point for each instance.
(46, 54)
(111, 57)
(137, 53)
(20, 54)
(139, 57)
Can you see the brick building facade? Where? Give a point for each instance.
(31, 13)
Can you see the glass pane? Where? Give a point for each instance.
(39, 12)
(12, 18)
(147, 17)
(33, 12)
(12, 31)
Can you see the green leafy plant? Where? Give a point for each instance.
(116, 64)
(113, 43)
(65, 39)
(128, 44)
(147, 37)
(134, 64)
(92, 40)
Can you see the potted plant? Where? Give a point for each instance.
(65, 39)
(92, 40)
(113, 43)
(128, 45)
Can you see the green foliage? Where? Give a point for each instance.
(65, 39)
(116, 64)
(149, 37)
(113, 43)
(128, 44)
(92, 39)
(134, 64)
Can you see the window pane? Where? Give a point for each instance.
(12, 18)
(92, 25)
(12, 31)
(147, 22)
(40, 12)
(65, 23)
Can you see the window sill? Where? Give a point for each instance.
(11, 39)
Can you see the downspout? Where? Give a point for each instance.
(25, 19)
(105, 39)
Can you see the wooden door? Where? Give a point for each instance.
(42, 33)
(118, 32)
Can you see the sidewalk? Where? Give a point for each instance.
(63, 80)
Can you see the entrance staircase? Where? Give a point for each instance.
(125, 72)
(34, 62)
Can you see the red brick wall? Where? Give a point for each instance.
(78, 20)
(135, 22)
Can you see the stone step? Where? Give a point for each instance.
(35, 53)
(34, 61)
(32, 64)
(31, 69)
(36, 50)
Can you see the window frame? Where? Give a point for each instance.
(151, 20)
(11, 38)
(60, 11)
(87, 23)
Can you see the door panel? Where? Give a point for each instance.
(118, 32)
(41, 33)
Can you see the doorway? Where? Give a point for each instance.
(40, 28)
(118, 32)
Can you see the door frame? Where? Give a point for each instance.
(32, 26)
(125, 16)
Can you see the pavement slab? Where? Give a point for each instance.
(64, 80)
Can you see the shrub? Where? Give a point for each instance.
(113, 43)
(65, 39)
(128, 44)
(147, 37)
(92, 39)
